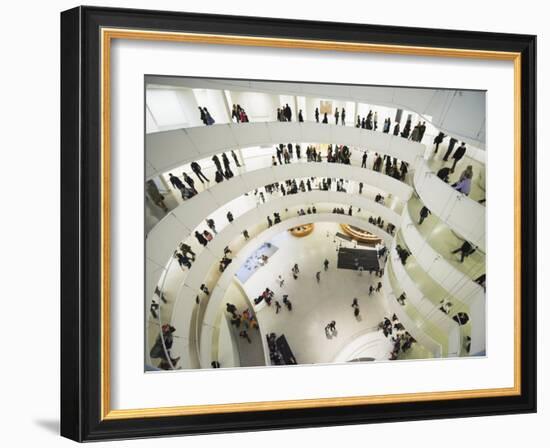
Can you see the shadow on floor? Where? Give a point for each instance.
(48, 425)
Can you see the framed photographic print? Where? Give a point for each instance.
(274, 223)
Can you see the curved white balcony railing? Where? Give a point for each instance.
(368, 344)
(180, 222)
(414, 326)
(436, 266)
(462, 214)
(422, 303)
(211, 319)
(214, 251)
(169, 149)
(187, 283)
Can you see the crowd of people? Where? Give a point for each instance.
(401, 339)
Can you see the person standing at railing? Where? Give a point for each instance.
(438, 140)
(424, 212)
(200, 238)
(198, 172)
(235, 114)
(466, 249)
(396, 129)
(203, 116)
(189, 180)
(287, 112)
(209, 120)
(186, 249)
(235, 158)
(459, 153)
(217, 162)
(176, 182)
(182, 260)
(452, 142)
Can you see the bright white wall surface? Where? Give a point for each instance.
(170, 149)
(37, 409)
(258, 106)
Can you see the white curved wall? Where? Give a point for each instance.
(463, 215)
(170, 149)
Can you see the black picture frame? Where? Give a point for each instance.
(81, 224)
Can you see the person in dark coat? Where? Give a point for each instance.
(424, 212)
(176, 182)
(364, 160)
(459, 153)
(217, 162)
(396, 129)
(189, 181)
(235, 158)
(452, 142)
(465, 250)
(198, 171)
(444, 174)
(203, 115)
(325, 119)
(200, 238)
(438, 140)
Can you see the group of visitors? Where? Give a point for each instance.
(284, 113)
(401, 339)
(239, 114)
(162, 347)
(242, 321)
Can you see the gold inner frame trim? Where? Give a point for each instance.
(107, 35)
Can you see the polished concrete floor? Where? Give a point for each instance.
(315, 304)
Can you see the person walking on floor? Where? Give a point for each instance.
(318, 276)
(325, 263)
(277, 307)
(281, 281)
(287, 302)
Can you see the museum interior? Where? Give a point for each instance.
(304, 223)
